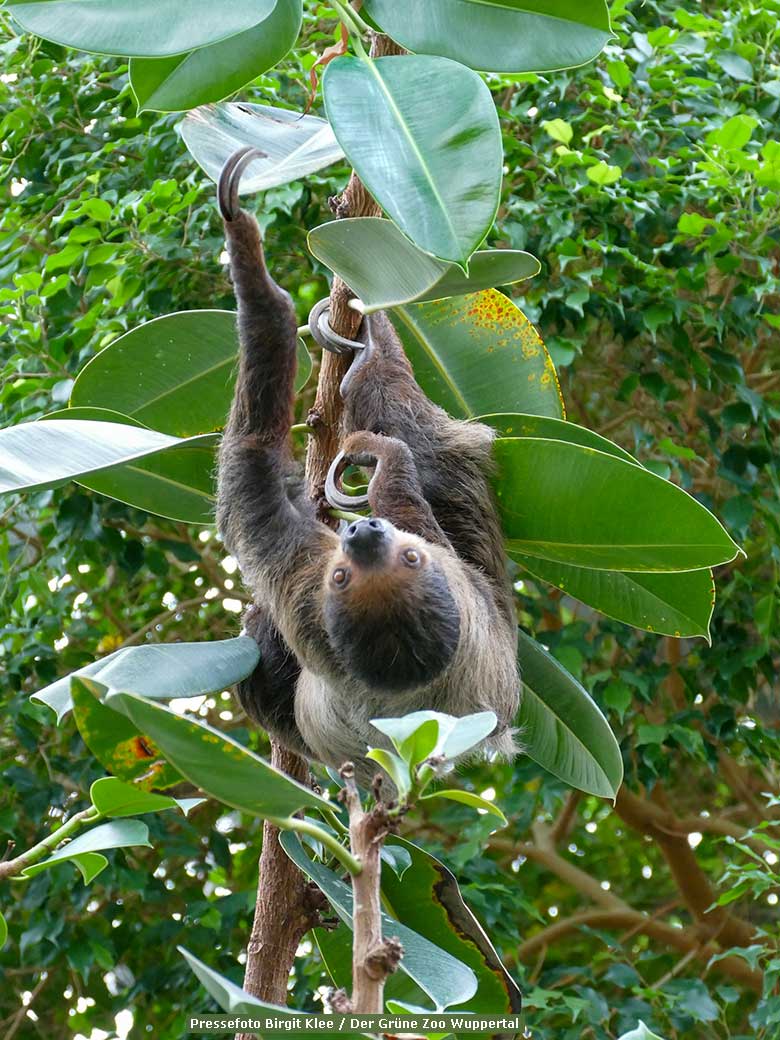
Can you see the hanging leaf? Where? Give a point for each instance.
(428, 897)
(175, 373)
(137, 27)
(3, 931)
(220, 766)
(677, 604)
(498, 35)
(433, 158)
(571, 504)
(183, 81)
(470, 799)
(561, 727)
(174, 481)
(478, 354)
(294, 145)
(385, 269)
(446, 980)
(671, 604)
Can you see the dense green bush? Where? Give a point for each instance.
(648, 185)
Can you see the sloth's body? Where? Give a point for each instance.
(409, 610)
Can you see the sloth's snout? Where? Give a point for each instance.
(366, 541)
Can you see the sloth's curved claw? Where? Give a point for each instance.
(230, 179)
(334, 495)
(323, 334)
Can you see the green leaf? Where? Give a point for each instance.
(734, 134)
(602, 173)
(293, 145)
(137, 27)
(513, 424)
(572, 504)
(433, 158)
(220, 766)
(114, 798)
(735, 66)
(558, 129)
(478, 354)
(57, 694)
(561, 727)
(498, 35)
(428, 897)
(676, 604)
(385, 269)
(173, 479)
(115, 835)
(641, 1033)
(211, 73)
(3, 932)
(395, 767)
(468, 798)
(117, 744)
(411, 733)
(175, 373)
(446, 980)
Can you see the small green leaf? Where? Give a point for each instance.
(641, 1033)
(3, 931)
(395, 767)
(468, 798)
(558, 129)
(734, 134)
(456, 735)
(112, 797)
(602, 173)
(115, 835)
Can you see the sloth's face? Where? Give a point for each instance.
(389, 612)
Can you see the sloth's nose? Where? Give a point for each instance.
(365, 541)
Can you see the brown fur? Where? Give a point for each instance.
(431, 485)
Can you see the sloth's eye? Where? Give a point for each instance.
(411, 557)
(340, 577)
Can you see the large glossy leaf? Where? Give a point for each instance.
(175, 373)
(498, 35)
(433, 157)
(561, 727)
(428, 898)
(477, 354)
(671, 604)
(117, 744)
(220, 766)
(211, 73)
(509, 424)
(39, 455)
(137, 27)
(163, 670)
(294, 145)
(176, 482)
(385, 269)
(572, 504)
(677, 604)
(445, 979)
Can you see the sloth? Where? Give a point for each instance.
(409, 609)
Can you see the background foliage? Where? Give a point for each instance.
(648, 185)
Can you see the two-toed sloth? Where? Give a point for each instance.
(410, 609)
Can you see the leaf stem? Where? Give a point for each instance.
(344, 514)
(354, 23)
(301, 427)
(12, 867)
(342, 854)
